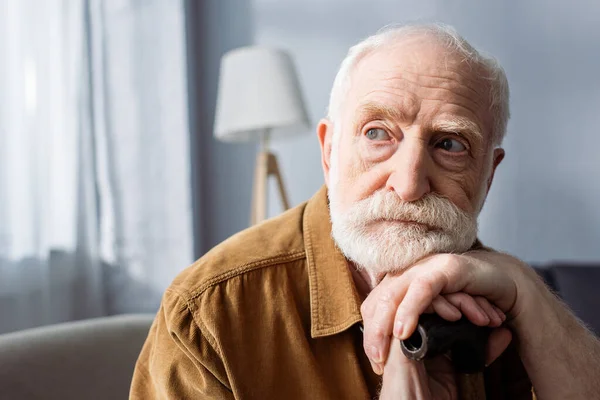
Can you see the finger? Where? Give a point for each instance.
(421, 292)
(445, 309)
(498, 341)
(469, 308)
(367, 308)
(500, 313)
(450, 273)
(378, 329)
(377, 368)
(429, 310)
(486, 306)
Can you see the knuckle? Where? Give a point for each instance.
(452, 261)
(386, 299)
(370, 350)
(374, 331)
(378, 334)
(423, 286)
(454, 267)
(373, 338)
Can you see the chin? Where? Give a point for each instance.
(381, 249)
(386, 260)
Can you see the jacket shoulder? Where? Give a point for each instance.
(275, 241)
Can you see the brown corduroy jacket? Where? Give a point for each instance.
(273, 313)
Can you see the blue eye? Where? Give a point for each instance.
(451, 145)
(377, 134)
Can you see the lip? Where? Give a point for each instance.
(407, 222)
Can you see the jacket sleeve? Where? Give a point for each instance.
(177, 360)
(507, 379)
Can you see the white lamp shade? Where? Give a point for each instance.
(258, 91)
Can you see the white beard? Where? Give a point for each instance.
(371, 235)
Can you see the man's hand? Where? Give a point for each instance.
(480, 285)
(435, 379)
(561, 356)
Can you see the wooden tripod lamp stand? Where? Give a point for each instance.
(266, 166)
(259, 98)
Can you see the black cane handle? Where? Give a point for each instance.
(464, 341)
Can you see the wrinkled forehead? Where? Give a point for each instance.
(420, 69)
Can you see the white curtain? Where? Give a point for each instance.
(95, 214)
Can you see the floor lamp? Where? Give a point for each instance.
(259, 99)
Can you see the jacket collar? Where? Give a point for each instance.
(334, 300)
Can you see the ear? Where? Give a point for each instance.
(498, 157)
(325, 134)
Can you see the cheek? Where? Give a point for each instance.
(349, 173)
(348, 162)
(457, 194)
(359, 177)
(462, 189)
(351, 168)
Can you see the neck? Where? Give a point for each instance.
(364, 280)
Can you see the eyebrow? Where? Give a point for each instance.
(460, 125)
(371, 111)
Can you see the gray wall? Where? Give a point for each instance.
(221, 173)
(544, 202)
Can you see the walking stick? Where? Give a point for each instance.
(465, 344)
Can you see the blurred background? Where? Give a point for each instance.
(111, 181)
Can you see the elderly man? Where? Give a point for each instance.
(409, 150)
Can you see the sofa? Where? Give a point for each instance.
(579, 286)
(90, 359)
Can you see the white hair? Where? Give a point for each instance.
(492, 70)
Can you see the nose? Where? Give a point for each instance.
(409, 176)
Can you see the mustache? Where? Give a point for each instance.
(433, 210)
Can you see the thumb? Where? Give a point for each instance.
(498, 341)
